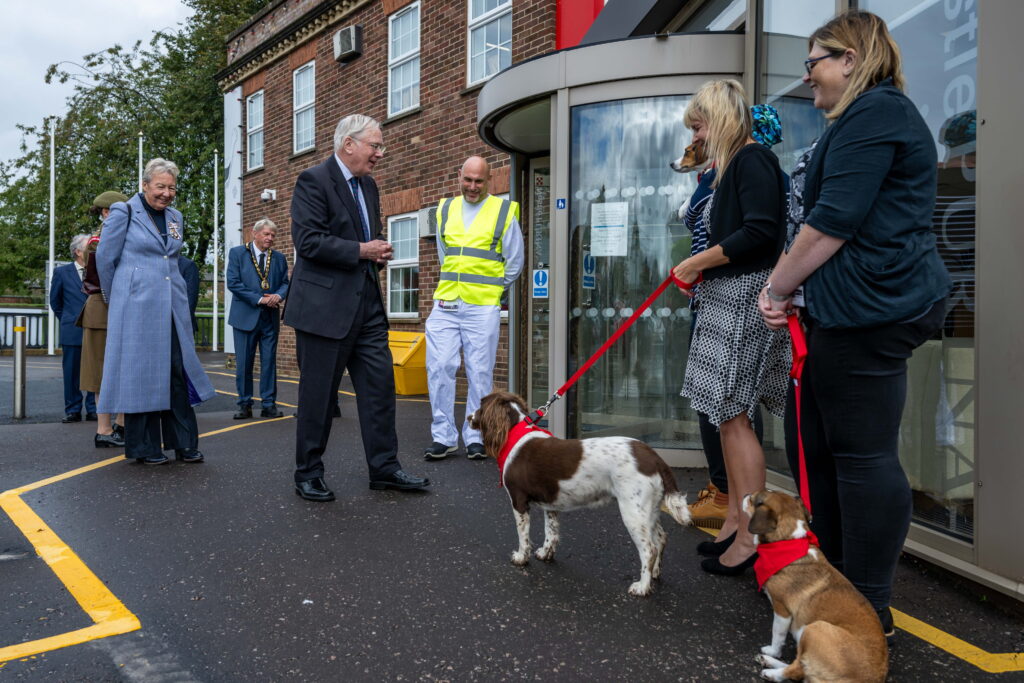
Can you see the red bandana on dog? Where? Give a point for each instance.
(518, 431)
(775, 556)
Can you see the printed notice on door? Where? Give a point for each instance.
(608, 228)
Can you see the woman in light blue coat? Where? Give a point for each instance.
(151, 372)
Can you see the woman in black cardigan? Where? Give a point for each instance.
(874, 288)
(735, 362)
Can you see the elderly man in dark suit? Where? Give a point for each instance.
(67, 300)
(336, 308)
(258, 280)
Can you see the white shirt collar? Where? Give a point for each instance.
(256, 250)
(344, 169)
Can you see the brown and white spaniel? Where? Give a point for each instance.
(565, 474)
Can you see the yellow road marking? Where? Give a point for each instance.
(989, 662)
(110, 616)
(295, 381)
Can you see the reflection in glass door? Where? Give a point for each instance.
(539, 260)
(625, 236)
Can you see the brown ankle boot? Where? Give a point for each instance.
(711, 510)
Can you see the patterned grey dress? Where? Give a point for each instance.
(735, 360)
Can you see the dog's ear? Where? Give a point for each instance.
(495, 418)
(764, 520)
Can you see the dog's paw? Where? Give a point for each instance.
(545, 554)
(770, 651)
(772, 675)
(640, 589)
(520, 559)
(770, 661)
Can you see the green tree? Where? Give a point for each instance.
(163, 88)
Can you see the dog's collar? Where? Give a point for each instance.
(775, 556)
(518, 431)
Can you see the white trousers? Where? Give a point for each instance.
(473, 329)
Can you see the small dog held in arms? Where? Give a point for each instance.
(838, 635)
(694, 159)
(565, 474)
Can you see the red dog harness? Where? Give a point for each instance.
(775, 556)
(518, 431)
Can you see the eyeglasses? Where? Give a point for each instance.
(377, 147)
(809, 63)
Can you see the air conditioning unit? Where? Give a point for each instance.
(428, 221)
(348, 43)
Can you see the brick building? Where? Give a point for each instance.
(419, 70)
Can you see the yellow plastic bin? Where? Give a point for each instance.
(409, 355)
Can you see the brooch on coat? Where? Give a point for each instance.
(172, 227)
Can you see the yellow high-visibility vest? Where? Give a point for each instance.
(473, 268)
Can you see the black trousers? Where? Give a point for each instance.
(142, 431)
(852, 395)
(322, 362)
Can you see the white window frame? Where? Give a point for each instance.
(397, 264)
(403, 59)
(302, 108)
(251, 130)
(487, 17)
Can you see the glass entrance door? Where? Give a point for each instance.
(539, 261)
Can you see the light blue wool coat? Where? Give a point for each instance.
(140, 277)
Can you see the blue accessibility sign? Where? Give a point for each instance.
(540, 283)
(560, 203)
(589, 269)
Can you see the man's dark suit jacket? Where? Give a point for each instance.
(67, 300)
(328, 277)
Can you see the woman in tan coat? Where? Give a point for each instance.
(93, 321)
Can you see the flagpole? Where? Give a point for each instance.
(50, 317)
(216, 247)
(140, 161)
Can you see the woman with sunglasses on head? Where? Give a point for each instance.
(874, 289)
(735, 362)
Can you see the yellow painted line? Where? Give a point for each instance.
(110, 616)
(295, 381)
(990, 662)
(280, 403)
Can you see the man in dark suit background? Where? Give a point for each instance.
(258, 280)
(67, 300)
(336, 308)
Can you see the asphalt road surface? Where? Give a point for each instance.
(232, 577)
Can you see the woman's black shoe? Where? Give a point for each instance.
(189, 455)
(888, 629)
(715, 548)
(111, 440)
(712, 566)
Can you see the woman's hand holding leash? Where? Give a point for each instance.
(686, 278)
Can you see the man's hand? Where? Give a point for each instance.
(376, 250)
(270, 301)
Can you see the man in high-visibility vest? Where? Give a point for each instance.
(480, 247)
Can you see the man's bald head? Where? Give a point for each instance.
(474, 177)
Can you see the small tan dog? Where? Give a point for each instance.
(566, 474)
(838, 635)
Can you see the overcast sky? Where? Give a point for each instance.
(37, 33)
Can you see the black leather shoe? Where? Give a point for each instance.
(244, 413)
(90, 417)
(713, 566)
(337, 410)
(315, 490)
(715, 548)
(71, 417)
(189, 455)
(111, 440)
(272, 411)
(155, 460)
(119, 430)
(399, 480)
(885, 616)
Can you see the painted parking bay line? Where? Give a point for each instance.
(110, 616)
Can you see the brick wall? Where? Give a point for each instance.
(425, 148)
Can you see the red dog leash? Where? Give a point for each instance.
(799, 342)
(536, 415)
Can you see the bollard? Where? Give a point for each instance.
(20, 332)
